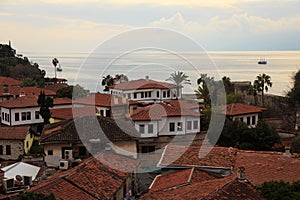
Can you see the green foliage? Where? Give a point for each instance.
(280, 190)
(296, 144)
(179, 78)
(28, 82)
(237, 134)
(206, 118)
(262, 84)
(45, 105)
(233, 98)
(107, 81)
(36, 148)
(34, 196)
(72, 92)
(294, 94)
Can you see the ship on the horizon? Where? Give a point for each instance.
(262, 62)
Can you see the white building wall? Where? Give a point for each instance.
(56, 149)
(146, 126)
(5, 116)
(244, 117)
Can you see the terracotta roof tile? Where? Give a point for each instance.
(239, 109)
(69, 113)
(142, 84)
(89, 180)
(217, 157)
(13, 132)
(158, 110)
(62, 101)
(104, 100)
(56, 86)
(266, 166)
(9, 81)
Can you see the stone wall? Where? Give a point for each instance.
(16, 146)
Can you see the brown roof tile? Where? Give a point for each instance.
(9, 81)
(13, 132)
(69, 113)
(217, 156)
(239, 109)
(104, 100)
(266, 166)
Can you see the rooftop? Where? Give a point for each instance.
(239, 109)
(158, 110)
(142, 84)
(69, 113)
(9, 81)
(13, 132)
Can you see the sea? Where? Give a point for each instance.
(88, 68)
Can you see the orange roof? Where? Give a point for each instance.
(69, 113)
(9, 81)
(158, 110)
(91, 177)
(13, 132)
(62, 101)
(56, 86)
(216, 157)
(16, 90)
(104, 100)
(142, 84)
(31, 101)
(185, 104)
(266, 166)
(239, 109)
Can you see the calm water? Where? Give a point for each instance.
(87, 69)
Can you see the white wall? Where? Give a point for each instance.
(251, 125)
(56, 148)
(146, 123)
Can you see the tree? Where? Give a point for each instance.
(179, 78)
(121, 77)
(45, 105)
(294, 94)
(296, 144)
(263, 83)
(280, 190)
(252, 90)
(229, 87)
(107, 81)
(203, 91)
(55, 63)
(71, 92)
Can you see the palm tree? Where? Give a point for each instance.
(179, 79)
(263, 83)
(55, 62)
(203, 91)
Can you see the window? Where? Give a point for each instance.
(129, 96)
(28, 115)
(102, 113)
(168, 93)
(148, 149)
(253, 120)
(1, 150)
(3, 116)
(171, 127)
(242, 119)
(17, 117)
(149, 94)
(27, 144)
(164, 94)
(248, 120)
(23, 116)
(195, 124)
(142, 128)
(107, 113)
(8, 150)
(142, 94)
(6, 117)
(189, 125)
(37, 115)
(179, 126)
(82, 151)
(150, 128)
(135, 95)
(157, 94)
(50, 152)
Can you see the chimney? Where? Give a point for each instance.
(241, 174)
(147, 78)
(287, 152)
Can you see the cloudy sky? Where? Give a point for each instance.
(80, 25)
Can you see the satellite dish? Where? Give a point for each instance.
(19, 178)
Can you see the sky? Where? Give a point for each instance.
(218, 25)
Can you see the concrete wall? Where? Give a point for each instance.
(16, 146)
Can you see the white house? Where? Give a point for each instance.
(243, 112)
(165, 119)
(146, 90)
(25, 110)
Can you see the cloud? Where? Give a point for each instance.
(236, 30)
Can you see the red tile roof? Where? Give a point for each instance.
(266, 166)
(142, 84)
(90, 180)
(185, 104)
(69, 113)
(216, 157)
(13, 132)
(9, 81)
(158, 110)
(16, 90)
(239, 109)
(56, 86)
(104, 100)
(31, 101)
